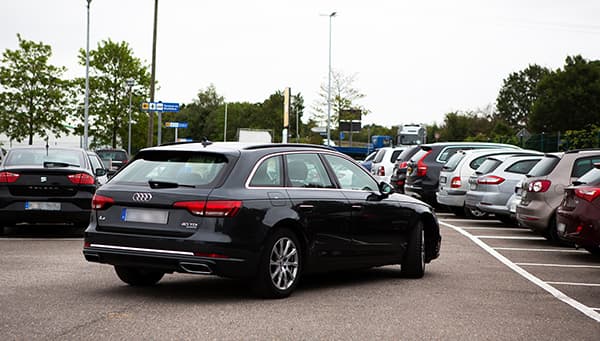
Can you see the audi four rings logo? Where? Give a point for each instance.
(142, 196)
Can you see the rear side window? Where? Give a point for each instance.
(522, 167)
(408, 153)
(544, 167)
(488, 166)
(395, 155)
(268, 174)
(582, 166)
(307, 170)
(453, 162)
(448, 152)
(591, 178)
(182, 168)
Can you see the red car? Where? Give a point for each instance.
(578, 216)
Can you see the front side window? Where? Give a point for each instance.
(268, 174)
(181, 168)
(307, 170)
(350, 175)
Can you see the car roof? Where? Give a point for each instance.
(44, 148)
(229, 147)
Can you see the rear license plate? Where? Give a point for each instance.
(442, 179)
(473, 187)
(144, 216)
(42, 205)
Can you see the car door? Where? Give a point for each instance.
(378, 222)
(323, 210)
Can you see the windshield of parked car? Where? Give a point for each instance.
(182, 168)
(116, 155)
(544, 167)
(37, 157)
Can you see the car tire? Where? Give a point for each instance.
(551, 233)
(280, 265)
(138, 277)
(593, 250)
(413, 263)
(474, 213)
(505, 219)
(458, 211)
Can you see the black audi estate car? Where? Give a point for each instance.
(265, 213)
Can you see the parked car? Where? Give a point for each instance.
(118, 157)
(383, 163)
(97, 163)
(490, 192)
(423, 169)
(267, 213)
(544, 187)
(47, 186)
(454, 177)
(368, 161)
(399, 171)
(578, 216)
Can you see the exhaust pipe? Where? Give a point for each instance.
(194, 268)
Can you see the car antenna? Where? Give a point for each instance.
(205, 141)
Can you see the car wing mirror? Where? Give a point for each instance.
(385, 188)
(101, 172)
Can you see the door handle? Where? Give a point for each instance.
(306, 207)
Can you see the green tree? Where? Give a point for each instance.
(34, 99)
(344, 96)
(517, 95)
(569, 99)
(460, 126)
(111, 65)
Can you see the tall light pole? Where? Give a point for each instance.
(329, 84)
(86, 105)
(130, 82)
(153, 79)
(225, 125)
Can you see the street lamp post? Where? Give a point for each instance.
(329, 84)
(87, 81)
(130, 82)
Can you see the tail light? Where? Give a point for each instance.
(8, 177)
(539, 186)
(381, 171)
(82, 179)
(100, 202)
(490, 180)
(421, 166)
(587, 193)
(403, 164)
(455, 182)
(400, 183)
(217, 208)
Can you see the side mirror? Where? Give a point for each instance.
(385, 188)
(101, 172)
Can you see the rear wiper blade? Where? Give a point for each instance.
(166, 184)
(51, 164)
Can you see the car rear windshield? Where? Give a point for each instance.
(408, 153)
(37, 157)
(117, 155)
(488, 166)
(395, 155)
(453, 162)
(181, 168)
(544, 167)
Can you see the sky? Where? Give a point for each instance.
(414, 60)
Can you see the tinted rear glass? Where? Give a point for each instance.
(544, 167)
(591, 178)
(183, 168)
(488, 166)
(112, 154)
(522, 167)
(37, 157)
(418, 155)
(453, 162)
(407, 153)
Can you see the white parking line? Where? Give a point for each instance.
(561, 265)
(539, 250)
(471, 220)
(576, 284)
(38, 239)
(511, 237)
(555, 292)
(496, 228)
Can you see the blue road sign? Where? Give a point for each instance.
(170, 107)
(176, 124)
(160, 106)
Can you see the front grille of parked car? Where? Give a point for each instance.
(42, 191)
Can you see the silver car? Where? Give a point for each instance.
(492, 185)
(454, 177)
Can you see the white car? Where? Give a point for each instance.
(383, 163)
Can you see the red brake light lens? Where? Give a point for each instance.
(587, 193)
(455, 182)
(8, 177)
(217, 208)
(381, 171)
(100, 202)
(82, 179)
(490, 180)
(404, 164)
(539, 186)
(421, 166)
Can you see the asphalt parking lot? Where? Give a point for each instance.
(534, 291)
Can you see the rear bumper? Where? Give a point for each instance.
(572, 227)
(536, 215)
(424, 193)
(454, 198)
